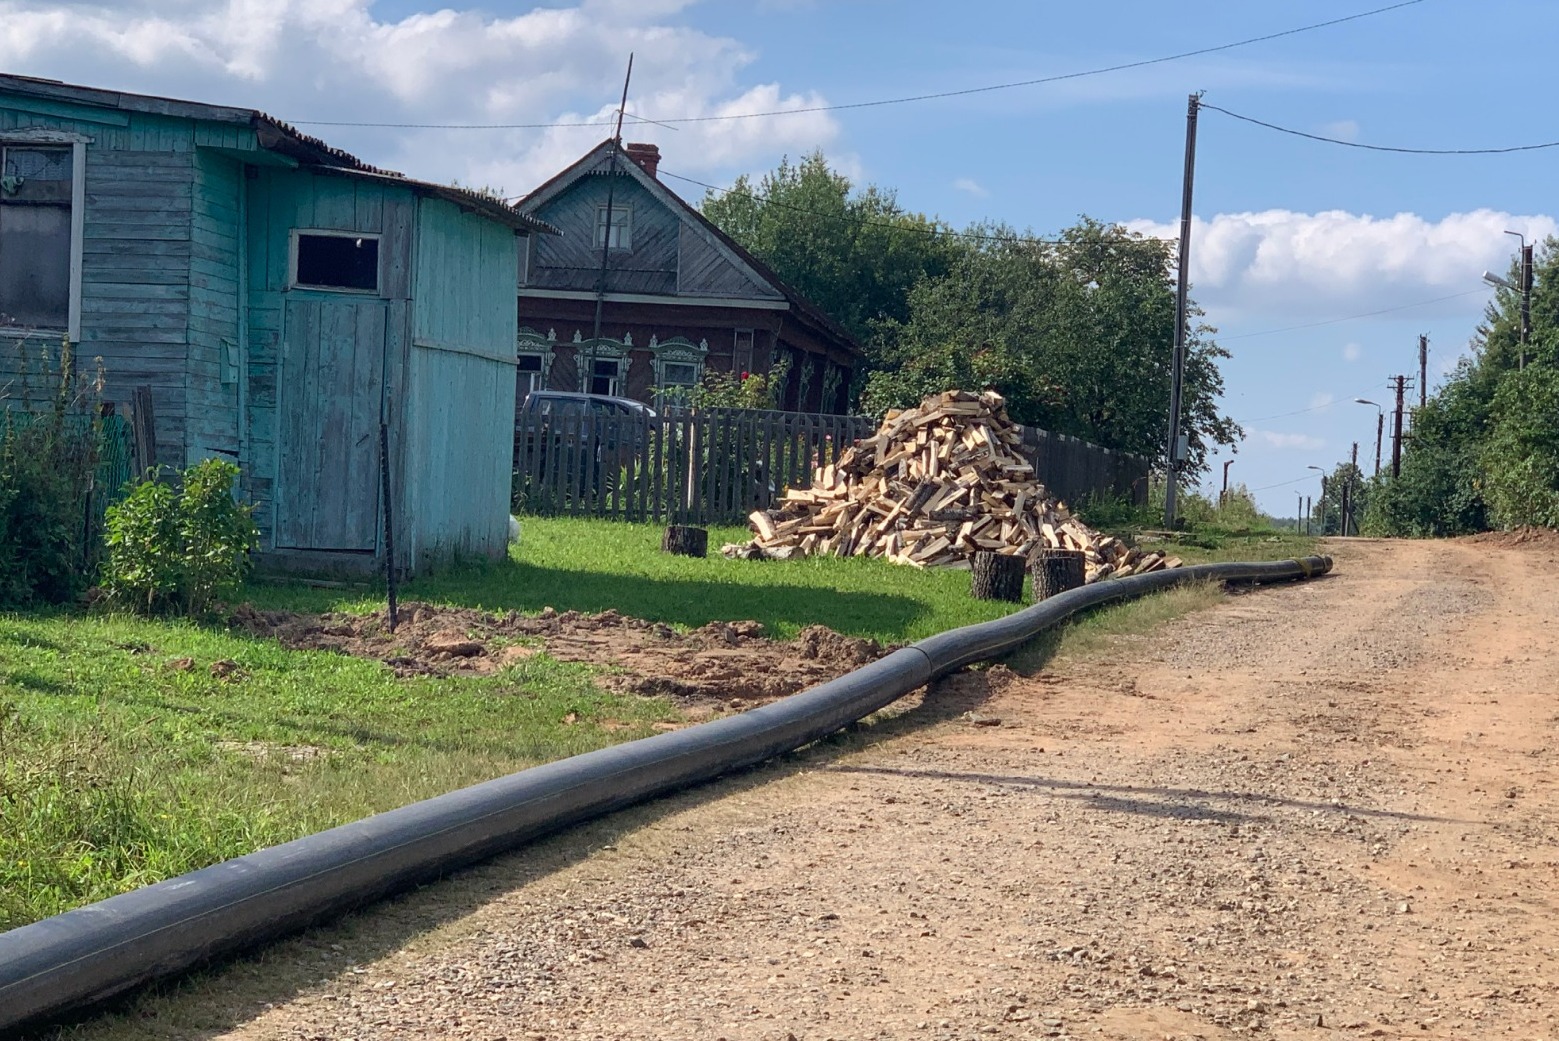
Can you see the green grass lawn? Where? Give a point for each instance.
(593, 565)
(124, 759)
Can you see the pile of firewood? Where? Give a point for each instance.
(935, 485)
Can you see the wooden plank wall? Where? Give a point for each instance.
(214, 337)
(572, 261)
(459, 388)
(136, 252)
(278, 202)
(705, 270)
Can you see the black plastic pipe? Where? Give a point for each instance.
(73, 960)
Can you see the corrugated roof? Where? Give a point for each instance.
(273, 135)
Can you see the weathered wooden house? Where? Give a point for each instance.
(676, 295)
(282, 299)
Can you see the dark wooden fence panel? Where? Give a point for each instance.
(715, 466)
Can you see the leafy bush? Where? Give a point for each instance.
(1521, 457)
(179, 549)
(48, 455)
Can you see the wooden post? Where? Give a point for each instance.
(997, 576)
(685, 541)
(1056, 571)
(143, 430)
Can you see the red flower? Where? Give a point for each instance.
(744, 375)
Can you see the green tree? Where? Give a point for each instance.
(1520, 459)
(854, 253)
(1484, 449)
(1077, 334)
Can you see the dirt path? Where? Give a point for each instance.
(1317, 811)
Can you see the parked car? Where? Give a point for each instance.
(558, 420)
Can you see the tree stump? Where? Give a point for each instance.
(997, 576)
(1056, 571)
(686, 540)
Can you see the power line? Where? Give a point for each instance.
(1060, 77)
(1280, 484)
(1382, 148)
(1296, 412)
(1352, 317)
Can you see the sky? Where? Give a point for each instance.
(1319, 264)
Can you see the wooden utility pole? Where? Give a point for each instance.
(588, 376)
(1398, 383)
(1182, 284)
(1299, 516)
(1309, 510)
(1423, 373)
(1348, 492)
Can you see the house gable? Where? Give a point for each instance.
(672, 251)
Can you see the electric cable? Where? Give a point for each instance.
(844, 106)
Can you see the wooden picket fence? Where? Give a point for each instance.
(710, 466)
(715, 466)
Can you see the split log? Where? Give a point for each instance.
(997, 576)
(685, 541)
(1056, 571)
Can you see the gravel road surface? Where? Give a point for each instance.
(1315, 811)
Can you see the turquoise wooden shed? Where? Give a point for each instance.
(283, 300)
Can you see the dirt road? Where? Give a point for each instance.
(1317, 811)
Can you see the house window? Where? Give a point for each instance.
(679, 365)
(605, 376)
(531, 373)
(342, 261)
(741, 354)
(38, 236)
(621, 227)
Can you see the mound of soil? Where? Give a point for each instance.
(1517, 538)
(721, 662)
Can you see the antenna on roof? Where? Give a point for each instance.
(606, 238)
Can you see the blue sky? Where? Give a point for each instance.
(1290, 233)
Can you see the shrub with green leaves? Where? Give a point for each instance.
(179, 548)
(48, 455)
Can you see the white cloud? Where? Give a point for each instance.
(973, 187)
(1351, 352)
(336, 60)
(1283, 264)
(1322, 400)
(1284, 441)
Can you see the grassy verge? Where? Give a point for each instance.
(124, 760)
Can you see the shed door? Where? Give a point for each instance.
(332, 371)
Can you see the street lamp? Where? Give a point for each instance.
(1380, 428)
(1323, 494)
(1524, 288)
(1224, 495)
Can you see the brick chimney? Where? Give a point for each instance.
(646, 155)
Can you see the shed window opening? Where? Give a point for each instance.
(616, 233)
(349, 262)
(604, 376)
(36, 186)
(529, 372)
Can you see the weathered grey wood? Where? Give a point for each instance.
(1056, 571)
(997, 576)
(685, 540)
